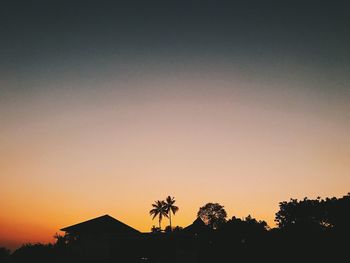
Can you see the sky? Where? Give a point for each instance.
(106, 107)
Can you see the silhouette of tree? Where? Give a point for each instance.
(155, 230)
(159, 209)
(243, 230)
(337, 212)
(170, 208)
(168, 229)
(213, 215)
(33, 253)
(261, 224)
(314, 214)
(304, 213)
(177, 229)
(61, 241)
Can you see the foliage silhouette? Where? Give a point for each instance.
(170, 208)
(34, 253)
(315, 214)
(309, 230)
(337, 212)
(213, 215)
(168, 229)
(61, 240)
(159, 209)
(155, 230)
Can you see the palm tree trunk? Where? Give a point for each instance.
(159, 225)
(170, 219)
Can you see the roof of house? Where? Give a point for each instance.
(102, 224)
(197, 226)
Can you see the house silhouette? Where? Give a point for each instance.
(101, 238)
(101, 226)
(105, 237)
(198, 227)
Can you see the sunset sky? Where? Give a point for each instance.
(105, 108)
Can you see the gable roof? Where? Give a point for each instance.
(197, 226)
(104, 224)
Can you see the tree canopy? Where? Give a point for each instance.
(322, 213)
(213, 215)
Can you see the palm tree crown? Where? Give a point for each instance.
(170, 207)
(159, 209)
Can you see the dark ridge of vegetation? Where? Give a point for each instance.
(308, 230)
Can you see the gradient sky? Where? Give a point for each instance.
(106, 107)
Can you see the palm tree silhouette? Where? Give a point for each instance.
(159, 210)
(170, 207)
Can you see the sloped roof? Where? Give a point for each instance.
(103, 224)
(197, 226)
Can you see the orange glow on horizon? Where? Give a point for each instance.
(69, 157)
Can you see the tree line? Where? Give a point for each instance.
(328, 213)
(314, 230)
